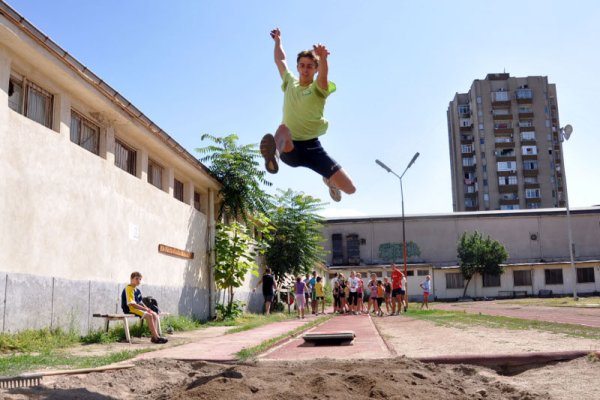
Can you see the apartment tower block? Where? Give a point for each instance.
(505, 148)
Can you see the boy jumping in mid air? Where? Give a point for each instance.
(296, 140)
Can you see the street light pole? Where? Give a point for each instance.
(388, 169)
(565, 134)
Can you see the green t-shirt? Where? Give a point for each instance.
(303, 107)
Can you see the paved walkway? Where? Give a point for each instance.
(566, 315)
(367, 344)
(223, 347)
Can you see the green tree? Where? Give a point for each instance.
(236, 253)
(295, 245)
(242, 200)
(238, 169)
(480, 256)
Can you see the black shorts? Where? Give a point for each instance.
(353, 299)
(268, 298)
(379, 301)
(310, 154)
(398, 292)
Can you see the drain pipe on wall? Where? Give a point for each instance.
(211, 253)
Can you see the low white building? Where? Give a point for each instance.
(536, 242)
(90, 190)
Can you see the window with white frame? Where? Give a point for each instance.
(532, 193)
(525, 123)
(530, 180)
(466, 148)
(509, 207)
(522, 277)
(469, 161)
(500, 96)
(455, 280)
(503, 139)
(585, 275)
(506, 166)
(553, 276)
(30, 100)
(530, 165)
(490, 280)
(525, 109)
(464, 109)
(155, 173)
(507, 180)
(465, 122)
(502, 125)
(528, 135)
(524, 94)
(84, 133)
(533, 205)
(529, 150)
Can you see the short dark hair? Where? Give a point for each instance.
(135, 275)
(310, 54)
(318, 279)
(268, 271)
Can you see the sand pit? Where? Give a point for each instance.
(399, 378)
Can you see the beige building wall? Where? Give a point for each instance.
(535, 240)
(75, 225)
(505, 150)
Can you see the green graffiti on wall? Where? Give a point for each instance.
(392, 252)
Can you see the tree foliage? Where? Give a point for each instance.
(238, 170)
(236, 254)
(295, 246)
(480, 256)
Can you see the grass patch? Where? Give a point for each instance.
(462, 319)
(556, 302)
(16, 364)
(252, 352)
(39, 340)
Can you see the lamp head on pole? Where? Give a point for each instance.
(382, 165)
(413, 160)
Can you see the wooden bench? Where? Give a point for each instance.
(124, 318)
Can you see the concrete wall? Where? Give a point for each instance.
(74, 225)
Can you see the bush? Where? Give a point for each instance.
(237, 309)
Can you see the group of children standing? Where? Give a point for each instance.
(353, 296)
(309, 291)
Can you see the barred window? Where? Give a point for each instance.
(125, 157)
(178, 192)
(585, 275)
(422, 272)
(30, 100)
(455, 280)
(522, 278)
(554, 276)
(84, 133)
(155, 173)
(490, 280)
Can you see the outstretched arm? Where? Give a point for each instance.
(322, 52)
(278, 52)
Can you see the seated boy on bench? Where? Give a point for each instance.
(131, 303)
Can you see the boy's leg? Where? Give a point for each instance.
(283, 139)
(341, 180)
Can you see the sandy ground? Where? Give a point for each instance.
(399, 378)
(395, 378)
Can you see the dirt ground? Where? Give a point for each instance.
(396, 378)
(399, 378)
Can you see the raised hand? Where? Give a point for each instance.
(320, 50)
(276, 34)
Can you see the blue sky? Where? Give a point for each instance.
(197, 67)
